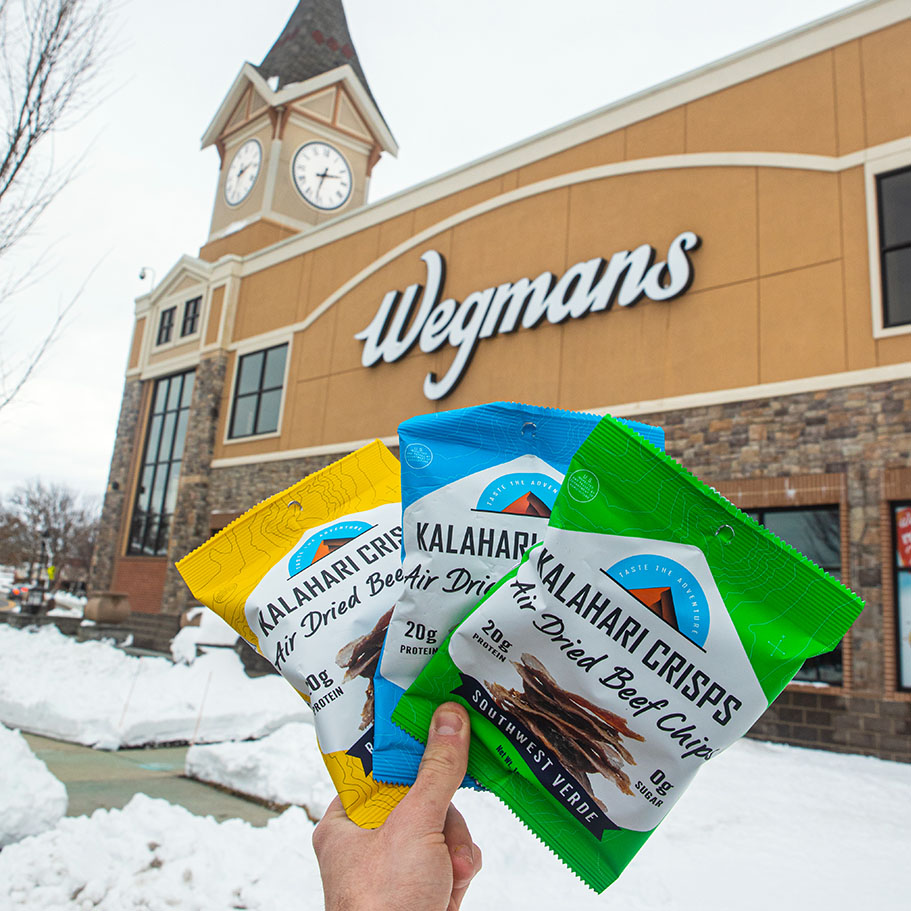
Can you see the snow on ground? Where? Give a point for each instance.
(762, 827)
(67, 605)
(32, 800)
(157, 856)
(284, 768)
(210, 630)
(95, 694)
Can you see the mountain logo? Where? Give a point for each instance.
(520, 494)
(668, 589)
(323, 543)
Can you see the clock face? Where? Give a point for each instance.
(322, 175)
(242, 172)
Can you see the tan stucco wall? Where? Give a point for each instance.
(781, 288)
(136, 344)
(214, 318)
(260, 234)
(174, 351)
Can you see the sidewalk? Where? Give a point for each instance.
(98, 778)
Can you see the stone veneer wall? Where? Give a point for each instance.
(101, 573)
(860, 433)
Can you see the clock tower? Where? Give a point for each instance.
(297, 136)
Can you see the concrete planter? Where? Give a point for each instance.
(108, 607)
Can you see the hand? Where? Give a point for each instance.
(422, 858)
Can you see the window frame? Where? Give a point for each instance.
(166, 325)
(195, 316)
(804, 492)
(885, 248)
(761, 512)
(240, 354)
(895, 685)
(881, 165)
(168, 466)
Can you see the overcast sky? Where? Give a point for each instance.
(455, 80)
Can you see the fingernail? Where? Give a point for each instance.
(447, 723)
(464, 851)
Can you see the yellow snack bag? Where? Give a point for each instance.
(309, 578)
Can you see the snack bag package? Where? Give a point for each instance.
(309, 577)
(649, 629)
(478, 485)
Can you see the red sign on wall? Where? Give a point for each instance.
(903, 535)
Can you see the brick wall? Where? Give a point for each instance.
(846, 724)
(142, 578)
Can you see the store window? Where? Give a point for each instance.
(258, 392)
(816, 532)
(893, 190)
(156, 495)
(190, 317)
(901, 539)
(166, 326)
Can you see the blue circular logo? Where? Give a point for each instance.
(323, 543)
(669, 590)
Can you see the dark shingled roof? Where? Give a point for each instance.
(315, 40)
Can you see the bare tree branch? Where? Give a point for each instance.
(50, 54)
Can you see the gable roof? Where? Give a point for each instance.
(343, 75)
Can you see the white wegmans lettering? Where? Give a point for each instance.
(586, 287)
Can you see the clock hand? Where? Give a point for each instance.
(322, 177)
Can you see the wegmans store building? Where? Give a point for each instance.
(727, 255)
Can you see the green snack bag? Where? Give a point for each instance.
(647, 632)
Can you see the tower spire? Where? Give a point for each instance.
(314, 41)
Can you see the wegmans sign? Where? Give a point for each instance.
(591, 286)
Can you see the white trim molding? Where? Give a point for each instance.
(891, 157)
(283, 455)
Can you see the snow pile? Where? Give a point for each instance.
(154, 855)
(32, 800)
(284, 768)
(762, 826)
(93, 693)
(67, 605)
(211, 630)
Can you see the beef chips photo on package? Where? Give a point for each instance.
(478, 485)
(646, 632)
(308, 578)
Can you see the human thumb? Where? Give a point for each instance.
(442, 766)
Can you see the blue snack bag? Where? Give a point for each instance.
(478, 485)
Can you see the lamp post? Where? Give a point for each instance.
(35, 599)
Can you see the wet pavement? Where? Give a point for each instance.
(101, 779)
